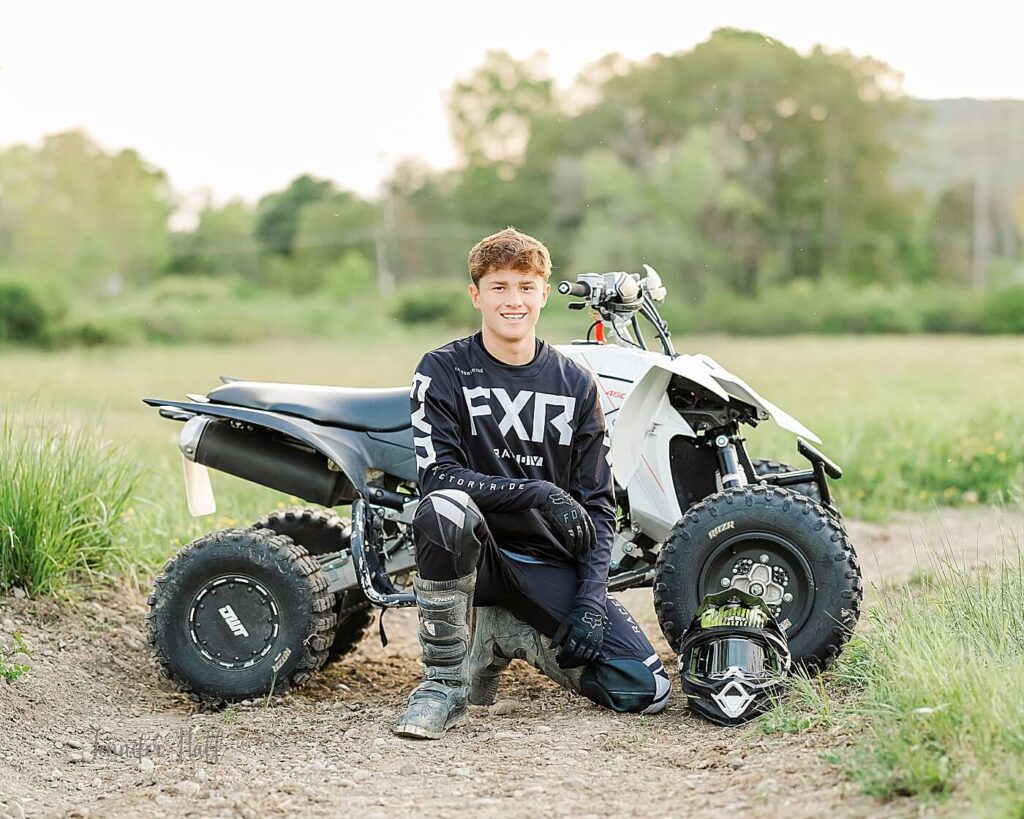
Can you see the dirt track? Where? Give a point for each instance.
(92, 731)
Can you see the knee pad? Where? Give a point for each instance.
(627, 685)
(449, 519)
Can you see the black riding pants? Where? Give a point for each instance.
(452, 538)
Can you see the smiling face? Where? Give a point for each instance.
(510, 302)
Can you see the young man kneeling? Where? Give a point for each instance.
(514, 531)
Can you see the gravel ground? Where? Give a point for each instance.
(92, 730)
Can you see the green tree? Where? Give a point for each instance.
(493, 115)
(801, 147)
(352, 277)
(327, 230)
(952, 233)
(428, 233)
(670, 214)
(78, 215)
(815, 133)
(433, 218)
(492, 111)
(222, 243)
(277, 216)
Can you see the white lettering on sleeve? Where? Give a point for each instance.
(420, 384)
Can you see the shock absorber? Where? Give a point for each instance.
(729, 463)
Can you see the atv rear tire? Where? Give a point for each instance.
(804, 552)
(319, 531)
(762, 466)
(322, 531)
(239, 613)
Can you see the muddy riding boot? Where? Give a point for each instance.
(445, 613)
(500, 638)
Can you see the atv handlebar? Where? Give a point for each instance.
(579, 289)
(619, 298)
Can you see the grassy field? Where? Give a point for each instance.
(915, 421)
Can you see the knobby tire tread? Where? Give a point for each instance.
(291, 558)
(674, 622)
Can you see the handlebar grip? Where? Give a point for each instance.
(578, 289)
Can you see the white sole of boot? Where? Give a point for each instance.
(419, 732)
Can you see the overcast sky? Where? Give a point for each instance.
(241, 97)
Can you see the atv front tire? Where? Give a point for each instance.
(322, 531)
(772, 542)
(240, 613)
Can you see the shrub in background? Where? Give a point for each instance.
(351, 278)
(25, 315)
(438, 302)
(196, 309)
(872, 310)
(1003, 311)
(835, 308)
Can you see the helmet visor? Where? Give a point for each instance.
(718, 659)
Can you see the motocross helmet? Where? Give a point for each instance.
(733, 658)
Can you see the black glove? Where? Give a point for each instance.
(571, 522)
(580, 636)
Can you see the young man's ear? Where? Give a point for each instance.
(547, 290)
(474, 294)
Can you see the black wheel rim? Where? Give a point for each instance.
(234, 621)
(768, 566)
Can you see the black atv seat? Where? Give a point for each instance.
(363, 410)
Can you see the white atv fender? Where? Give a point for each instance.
(647, 423)
(740, 389)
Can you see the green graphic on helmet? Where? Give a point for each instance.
(734, 614)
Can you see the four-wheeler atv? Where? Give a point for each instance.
(243, 611)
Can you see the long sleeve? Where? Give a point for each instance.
(591, 484)
(441, 457)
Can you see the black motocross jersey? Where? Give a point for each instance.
(503, 433)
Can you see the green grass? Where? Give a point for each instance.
(808, 703)
(65, 496)
(915, 422)
(929, 689)
(940, 676)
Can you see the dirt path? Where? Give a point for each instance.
(92, 731)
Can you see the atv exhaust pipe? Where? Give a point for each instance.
(254, 455)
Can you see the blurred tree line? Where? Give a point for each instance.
(739, 167)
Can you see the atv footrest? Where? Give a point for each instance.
(373, 579)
